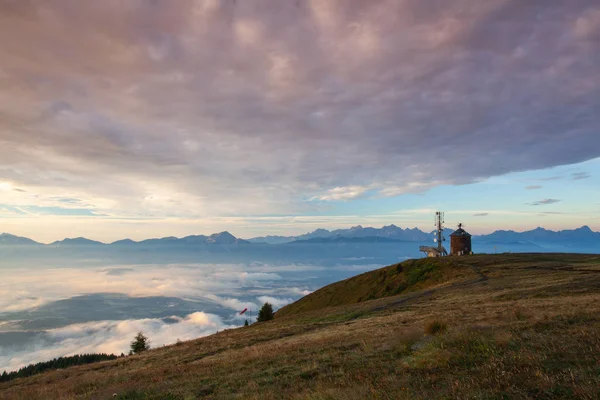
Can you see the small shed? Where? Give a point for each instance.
(433, 251)
(460, 242)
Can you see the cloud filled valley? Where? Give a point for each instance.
(50, 312)
(111, 337)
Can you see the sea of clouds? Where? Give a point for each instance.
(110, 337)
(30, 294)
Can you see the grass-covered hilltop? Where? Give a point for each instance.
(509, 326)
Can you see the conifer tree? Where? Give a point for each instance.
(140, 343)
(265, 313)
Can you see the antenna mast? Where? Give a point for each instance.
(438, 251)
(439, 224)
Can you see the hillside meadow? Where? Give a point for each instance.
(510, 326)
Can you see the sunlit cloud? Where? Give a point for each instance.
(343, 193)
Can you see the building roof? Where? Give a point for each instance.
(460, 232)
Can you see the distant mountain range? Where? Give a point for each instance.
(356, 234)
(214, 239)
(583, 235)
(388, 232)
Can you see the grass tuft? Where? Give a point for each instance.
(519, 313)
(435, 327)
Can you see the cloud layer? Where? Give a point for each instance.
(233, 286)
(111, 337)
(199, 108)
(51, 312)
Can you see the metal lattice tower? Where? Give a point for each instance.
(439, 250)
(439, 225)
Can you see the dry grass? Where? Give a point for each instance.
(406, 277)
(528, 328)
(435, 327)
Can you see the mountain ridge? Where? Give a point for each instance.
(583, 234)
(8, 239)
(79, 241)
(355, 234)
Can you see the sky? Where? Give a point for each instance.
(152, 118)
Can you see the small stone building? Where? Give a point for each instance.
(460, 242)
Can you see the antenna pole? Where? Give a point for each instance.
(439, 219)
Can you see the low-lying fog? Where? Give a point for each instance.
(47, 312)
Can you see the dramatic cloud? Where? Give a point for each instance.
(162, 109)
(544, 202)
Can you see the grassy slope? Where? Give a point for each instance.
(405, 277)
(518, 326)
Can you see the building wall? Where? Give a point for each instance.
(460, 243)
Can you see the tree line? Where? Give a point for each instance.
(139, 344)
(57, 363)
